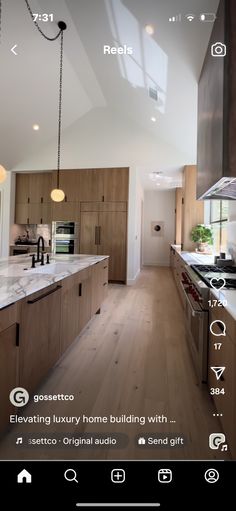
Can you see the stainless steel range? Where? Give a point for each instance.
(196, 284)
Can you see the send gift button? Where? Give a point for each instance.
(161, 440)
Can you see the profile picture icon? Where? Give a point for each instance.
(218, 49)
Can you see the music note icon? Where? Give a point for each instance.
(224, 447)
(19, 440)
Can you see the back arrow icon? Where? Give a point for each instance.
(13, 49)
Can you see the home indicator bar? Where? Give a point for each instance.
(116, 504)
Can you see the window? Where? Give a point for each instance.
(218, 220)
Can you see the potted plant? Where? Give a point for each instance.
(203, 236)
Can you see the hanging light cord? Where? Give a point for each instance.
(38, 27)
(60, 111)
(60, 34)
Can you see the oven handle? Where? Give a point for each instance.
(194, 312)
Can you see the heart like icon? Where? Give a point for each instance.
(217, 280)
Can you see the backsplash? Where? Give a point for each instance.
(34, 232)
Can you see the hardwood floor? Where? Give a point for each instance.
(132, 359)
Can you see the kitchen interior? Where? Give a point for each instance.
(112, 261)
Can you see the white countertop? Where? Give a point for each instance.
(18, 279)
(224, 294)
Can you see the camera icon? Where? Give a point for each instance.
(218, 50)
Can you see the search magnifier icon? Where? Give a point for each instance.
(71, 475)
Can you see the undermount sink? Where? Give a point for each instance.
(52, 268)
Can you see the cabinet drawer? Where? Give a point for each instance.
(8, 316)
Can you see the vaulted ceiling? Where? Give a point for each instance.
(169, 62)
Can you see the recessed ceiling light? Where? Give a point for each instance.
(153, 119)
(35, 127)
(149, 29)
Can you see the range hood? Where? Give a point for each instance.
(216, 153)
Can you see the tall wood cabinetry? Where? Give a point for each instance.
(103, 231)
(178, 215)
(33, 201)
(193, 210)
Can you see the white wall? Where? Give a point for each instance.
(7, 191)
(158, 206)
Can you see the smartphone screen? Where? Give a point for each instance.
(118, 251)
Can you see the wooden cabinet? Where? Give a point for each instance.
(84, 281)
(116, 184)
(105, 233)
(178, 215)
(66, 211)
(99, 284)
(69, 311)
(39, 335)
(8, 362)
(224, 357)
(193, 210)
(69, 183)
(90, 185)
(40, 187)
(33, 202)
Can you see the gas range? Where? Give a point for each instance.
(207, 272)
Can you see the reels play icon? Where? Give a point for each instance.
(164, 475)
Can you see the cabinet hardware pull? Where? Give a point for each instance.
(17, 334)
(41, 200)
(44, 295)
(80, 289)
(104, 267)
(41, 220)
(103, 198)
(96, 235)
(99, 235)
(105, 284)
(65, 198)
(28, 200)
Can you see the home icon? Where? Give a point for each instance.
(24, 477)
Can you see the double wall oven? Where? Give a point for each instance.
(65, 237)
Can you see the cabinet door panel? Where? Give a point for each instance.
(116, 184)
(40, 184)
(84, 282)
(90, 185)
(8, 373)
(69, 311)
(89, 233)
(113, 229)
(68, 183)
(39, 336)
(22, 213)
(22, 188)
(65, 211)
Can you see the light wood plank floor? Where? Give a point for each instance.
(131, 359)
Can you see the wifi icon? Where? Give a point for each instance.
(190, 17)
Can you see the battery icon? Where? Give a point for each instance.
(208, 17)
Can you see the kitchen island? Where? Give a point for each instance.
(42, 312)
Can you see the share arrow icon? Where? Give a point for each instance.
(218, 371)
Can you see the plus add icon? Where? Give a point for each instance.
(118, 475)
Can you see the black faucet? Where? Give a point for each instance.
(38, 248)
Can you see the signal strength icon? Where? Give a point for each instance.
(190, 17)
(175, 18)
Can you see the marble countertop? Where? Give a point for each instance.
(225, 294)
(18, 279)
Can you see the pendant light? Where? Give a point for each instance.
(57, 195)
(3, 174)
